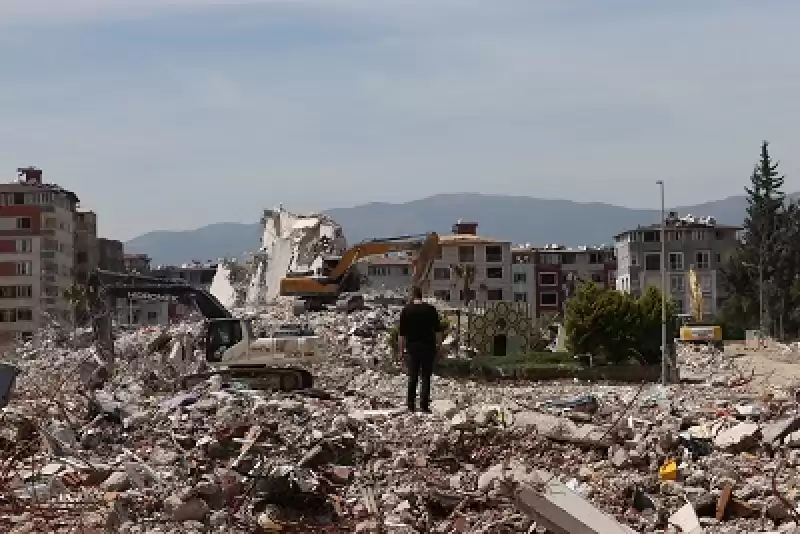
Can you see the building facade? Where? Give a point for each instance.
(691, 243)
(523, 276)
(490, 258)
(390, 273)
(137, 263)
(110, 255)
(549, 275)
(37, 258)
(196, 273)
(86, 248)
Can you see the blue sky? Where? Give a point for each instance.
(175, 114)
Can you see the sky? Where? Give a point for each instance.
(174, 114)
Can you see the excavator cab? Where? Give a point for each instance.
(224, 334)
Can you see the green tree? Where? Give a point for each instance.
(768, 254)
(615, 326)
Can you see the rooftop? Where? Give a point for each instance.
(467, 239)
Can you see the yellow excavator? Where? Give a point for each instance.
(694, 329)
(338, 274)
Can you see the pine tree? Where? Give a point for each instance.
(765, 200)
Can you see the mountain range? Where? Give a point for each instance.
(519, 219)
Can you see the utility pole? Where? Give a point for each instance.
(664, 372)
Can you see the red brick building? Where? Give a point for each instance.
(559, 270)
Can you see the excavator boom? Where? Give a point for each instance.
(327, 288)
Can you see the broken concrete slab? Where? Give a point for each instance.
(562, 511)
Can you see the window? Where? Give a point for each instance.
(8, 316)
(678, 305)
(23, 223)
(548, 279)
(652, 261)
(677, 283)
(50, 223)
(24, 292)
(8, 292)
(652, 236)
(469, 295)
(551, 259)
(494, 272)
(441, 273)
(494, 254)
(597, 278)
(494, 294)
(676, 261)
(24, 268)
(24, 245)
(702, 259)
(442, 294)
(520, 278)
(466, 254)
(568, 258)
(705, 283)
(634, 259)
(699, 235)
(24, 314)
(595, 258)
(152, 316)
(404, 271)
(678, 235)
(520, 297)
(82, 257)
(548, 299)
(612, 278)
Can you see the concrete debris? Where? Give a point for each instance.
(136, 452)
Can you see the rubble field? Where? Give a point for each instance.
(715, 454)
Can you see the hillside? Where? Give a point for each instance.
(520, 219)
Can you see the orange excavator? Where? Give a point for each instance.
(338, 274)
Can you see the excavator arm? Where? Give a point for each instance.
(105, 285)
(382, 246)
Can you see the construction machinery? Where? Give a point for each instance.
(338, 275)
(229, 344)
(694, 329)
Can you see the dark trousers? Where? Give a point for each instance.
(420, 368)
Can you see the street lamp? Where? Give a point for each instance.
(663, 288)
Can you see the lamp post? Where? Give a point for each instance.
(664, 377)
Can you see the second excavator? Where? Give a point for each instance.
(338, 274)
(230, 346)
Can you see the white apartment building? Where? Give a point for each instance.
(491, 259)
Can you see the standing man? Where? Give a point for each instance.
(419, 342)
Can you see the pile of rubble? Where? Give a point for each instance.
(140, 454)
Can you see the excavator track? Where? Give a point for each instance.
(263, 378)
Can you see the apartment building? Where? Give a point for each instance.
(691, 243)
(36, 252)
(137, 263)
(85, 245)
(549, 275)
(110, 255)
(523, 276)
(389, 272)
(491, 259)
(195, 273)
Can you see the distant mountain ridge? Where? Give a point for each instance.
(519, 219)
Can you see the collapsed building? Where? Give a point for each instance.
(291, 243)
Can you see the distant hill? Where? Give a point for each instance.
(520, 219)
